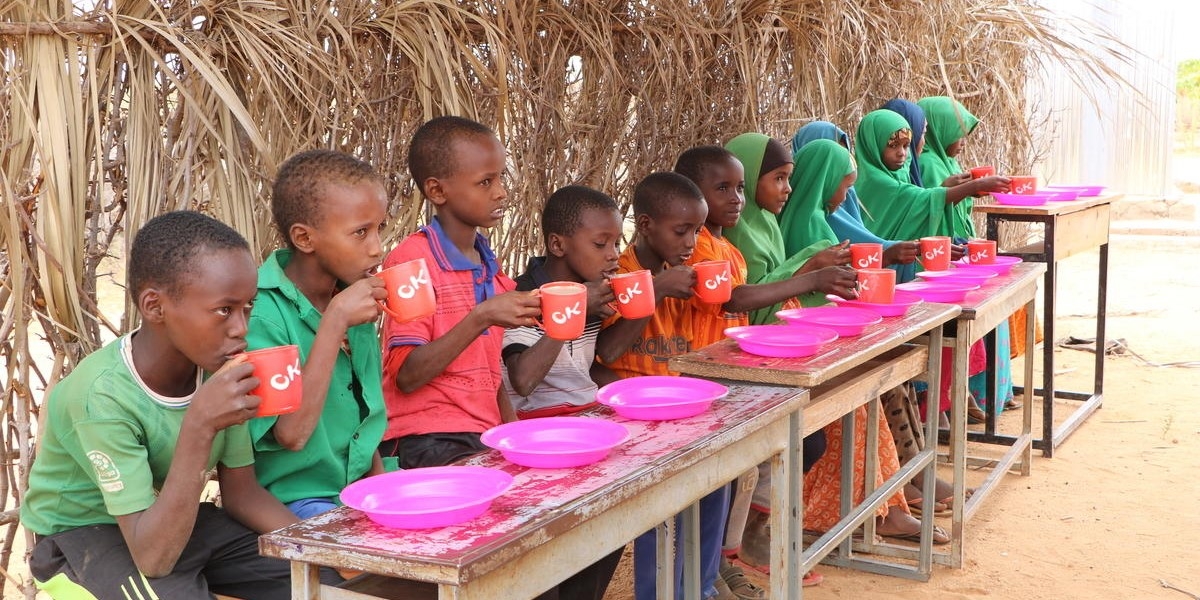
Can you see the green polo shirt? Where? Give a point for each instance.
(351, 426)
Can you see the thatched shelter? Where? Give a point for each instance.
(119, 112)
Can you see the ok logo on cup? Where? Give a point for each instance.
(410, 294)
(279, 385)
(866, 255)
(713, 283)
(935, 253)
(635, 293)
(877, 286)
(564, 304)
(1023, 184)
(981, 252)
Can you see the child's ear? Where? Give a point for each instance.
(434, 191)
(300, 235)
(641, 223)
(150, 305)
(555, 245)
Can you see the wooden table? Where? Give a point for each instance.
(846, 374)
(1070, 228)
(554, 522)
(982, 311)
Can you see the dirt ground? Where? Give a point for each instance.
(1113, 514)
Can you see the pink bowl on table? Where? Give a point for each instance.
(901, 302)
(1082, 191)
(427, 498)
(959, 274)
(1002, 266)
(1061, 194)
(660, 397)
(1035, 199)
(781, 341)
(847, 321)
(555, 442)
(939, 291)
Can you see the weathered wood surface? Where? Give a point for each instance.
(724, 360)
(747, 426)
(998, 298)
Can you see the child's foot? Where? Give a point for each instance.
(902, 526)
(756, 541)
(738, 584)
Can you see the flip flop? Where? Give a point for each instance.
(940, 537)
(941, 508)
(811, 578)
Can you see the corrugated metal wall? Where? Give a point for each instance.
(1108, 134)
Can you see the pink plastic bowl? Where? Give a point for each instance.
(781, 341)
(957, 274)
(939, 291)
(427, 498)
(1062, 194)
(660, 397)
(901, 303)
(555, 442)
(1036, 199)
(1082, 191)
(1002, 266)
(847, 321)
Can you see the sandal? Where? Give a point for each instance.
(940, 537)
(740, 585)
(941, 508)
(812, 578)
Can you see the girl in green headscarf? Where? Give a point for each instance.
(949, 123)
(824, 172)
(768, 165)
(897, 209)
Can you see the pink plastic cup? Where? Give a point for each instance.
(877, 286)
(981, 252)
(564, 309)
(866, 255)
(982, 171)
(279, 385)
(635, 293)
(713, 283)
(1022, 184)
(409, 291)
(935, 253)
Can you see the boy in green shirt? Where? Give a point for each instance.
(134, 430)
(318, 293)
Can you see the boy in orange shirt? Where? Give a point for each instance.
(720, 177)
(441, 373)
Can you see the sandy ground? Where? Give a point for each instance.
(1113, 513)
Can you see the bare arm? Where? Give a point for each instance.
(983, 185)
(352, 306)
(156, 536)
(511, 309)
(831, 280)
(249, 503)
(507, 413)
(602, 375)
(615, 340)
(527, 368)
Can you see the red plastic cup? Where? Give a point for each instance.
(1023, 185)
(713, 283)
(409, 291)
(982, 171)
(634, 292)
(279, 386)
(564, 309)
(981, 252)
(877, 286)
(866, 255)
(935, 253)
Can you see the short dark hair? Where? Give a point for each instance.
(167, 248)
(300, 185)
(694, 162)
(564, 208)
(655, 194)
(431, 152)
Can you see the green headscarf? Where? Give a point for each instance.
(949, 121)
(821, 165)
(757, 234)
(894, 209)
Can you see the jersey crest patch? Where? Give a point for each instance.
(107, 474)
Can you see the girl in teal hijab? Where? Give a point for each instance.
(822, 177)
(846, 220)
(756, 235)
(949, 123)
(896, 209)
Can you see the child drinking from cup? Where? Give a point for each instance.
(441, 372)
(549, 377)
(317, 293)
(113, 498)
